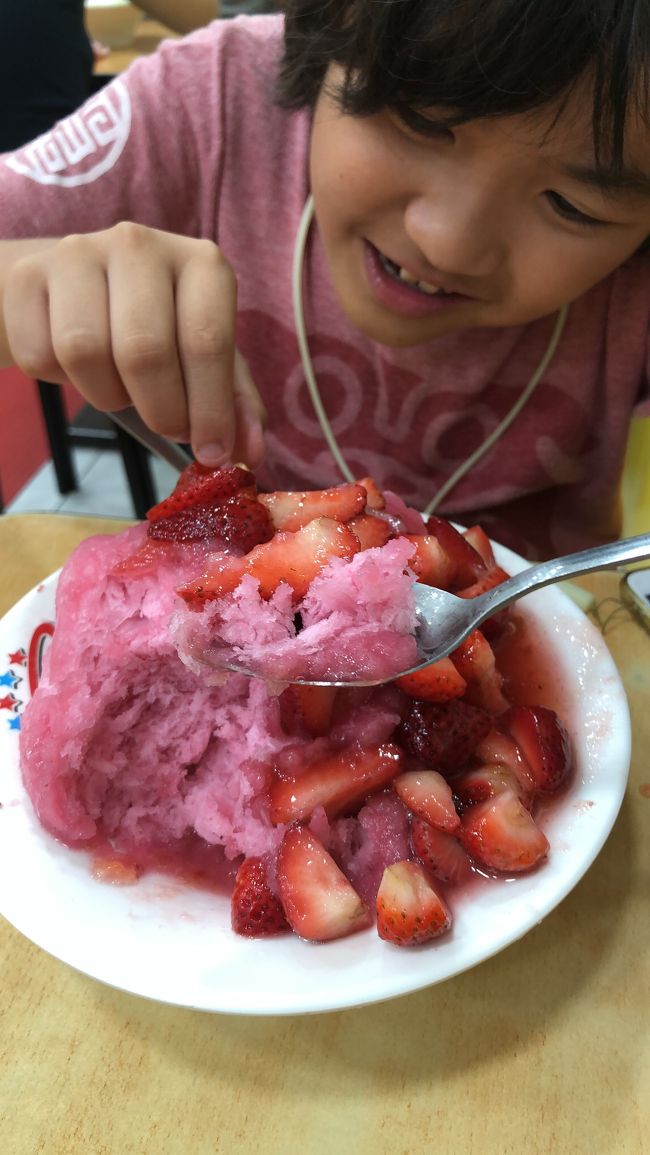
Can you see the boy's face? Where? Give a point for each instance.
(501, 215)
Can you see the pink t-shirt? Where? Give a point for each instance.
(189, 140)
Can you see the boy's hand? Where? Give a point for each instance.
(132, 315)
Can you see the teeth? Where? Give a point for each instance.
(431, 290)
(402, 275)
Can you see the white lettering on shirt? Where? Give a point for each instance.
(80, 149)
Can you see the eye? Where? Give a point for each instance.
(569, 212)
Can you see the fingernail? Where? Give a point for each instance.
(212, 454)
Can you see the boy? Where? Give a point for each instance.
(475, 168)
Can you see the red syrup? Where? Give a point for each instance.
(531, 677)
(191, 860)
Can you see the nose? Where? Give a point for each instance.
(461, 233)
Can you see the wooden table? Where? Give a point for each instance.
(543, 1049)
(148, 35)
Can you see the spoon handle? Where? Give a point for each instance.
(572, 565)
(130, 420)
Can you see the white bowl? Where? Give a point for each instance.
(167, 941)
(112, 22)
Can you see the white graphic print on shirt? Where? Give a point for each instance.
(80, 149)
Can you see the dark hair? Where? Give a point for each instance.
(476, 58)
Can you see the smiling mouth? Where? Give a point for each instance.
(400, 274)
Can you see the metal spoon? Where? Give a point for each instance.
(130, 420)
(444, 620)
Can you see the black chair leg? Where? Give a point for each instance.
(56, 426)
(138, 472)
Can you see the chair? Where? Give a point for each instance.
(93, 430)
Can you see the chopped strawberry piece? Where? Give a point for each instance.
(147, 558)
(427, 794)
(254, 909)
(502, 835)
(500, 749)
(374, 497)
(487, 581)
(544, 743)
(437, 682)
(337, 782)
(443, 736)
(318, 900)
(467, 565)
(371, 531)
(441, 853)
(485, 781)
(494, 626)
(307, 709)
(479, 540)
(409, 910)
(200, 486)
(474, 660)
(429, 562)
(295, 558)
(240, 520)
(293, 510)
(115, 871)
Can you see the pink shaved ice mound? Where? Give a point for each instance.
(356, 622)
(127, 740)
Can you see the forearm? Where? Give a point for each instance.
(181, 15)
(10, 253)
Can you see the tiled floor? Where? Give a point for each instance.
(103, 488)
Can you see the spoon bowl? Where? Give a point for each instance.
(444, 620)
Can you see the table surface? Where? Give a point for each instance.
(148, 35)
(544, 1048)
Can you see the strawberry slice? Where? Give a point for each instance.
(371, 531)
(466, 564)
(295, 558)
(441, 853)
(479, 541)
(474, 660)
(200, 486)
(147, 558)
(336, 782)
(240, 520)
(437, 682)
(487, 581)
(409, 910)
(444, 735)
(427, 794)
(374, 496)
(318, 900)
(430, 562)
(487, 780)
(292, 511)
(544, 743)
(500, 748)
(254, 909)
(307, 709)
(502, 835)
(494, 626)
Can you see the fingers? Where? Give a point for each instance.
(142, 314)
(132, 314)
(79, 323)
(206, 304)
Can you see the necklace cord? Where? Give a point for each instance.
(317, 402)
